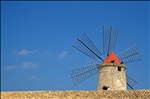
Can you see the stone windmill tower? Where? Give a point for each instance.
(112, 71)
(112, 74)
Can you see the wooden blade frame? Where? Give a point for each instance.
(130, 82)
(109, 39)
(85, 45)
(80, 74)
(130, 55)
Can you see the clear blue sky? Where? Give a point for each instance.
(37, 38)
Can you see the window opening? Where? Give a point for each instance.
(105, 87)
(119, 68)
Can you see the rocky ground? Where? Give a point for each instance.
(128, 94)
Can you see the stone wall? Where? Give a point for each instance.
(110, 76)
(118, 94)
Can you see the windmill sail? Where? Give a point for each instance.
(79, 74)
(129, 86)
(130, 82)
(130, 55)
(85, 45)
(109, 39)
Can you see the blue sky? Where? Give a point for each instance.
(37, 38)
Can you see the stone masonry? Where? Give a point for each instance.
(111, 77)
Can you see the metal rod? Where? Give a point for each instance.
(84, 52)
(83, 73)
(109, 40)
(126, 49)
(86, 72)
(90, 49)
(131, 78)
(103, 41)
(130, 86)
(129, 55)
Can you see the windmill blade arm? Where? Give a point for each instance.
(131, 79)
(130, 86)
(129, 55)
(79, 74)
(85, 45)
(90, 49)
(88, 54)
(84, 72)
(109, 39)
(130, 82)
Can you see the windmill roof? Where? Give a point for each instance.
(111, 57)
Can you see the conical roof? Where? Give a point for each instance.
(111, 57)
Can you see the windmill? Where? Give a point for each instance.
(111, 71)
